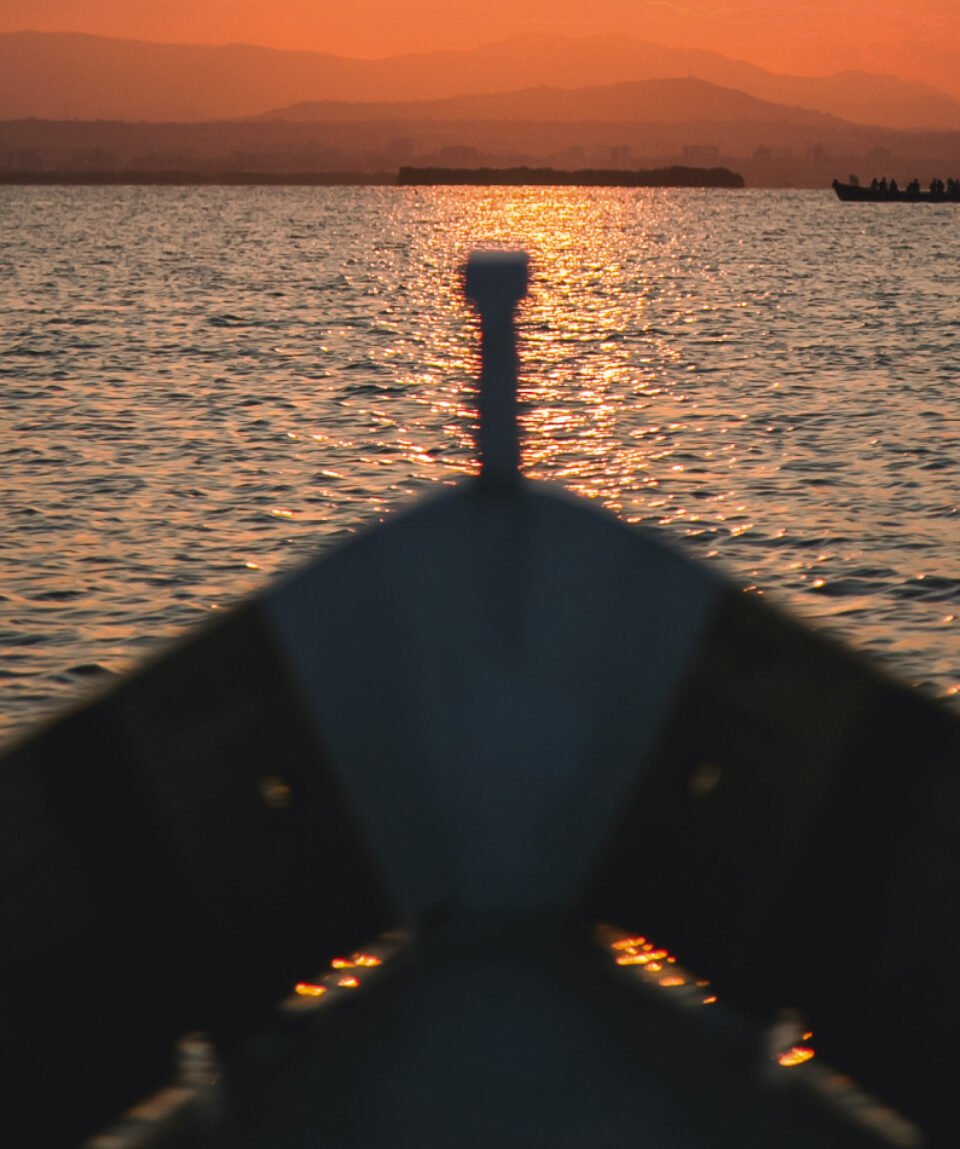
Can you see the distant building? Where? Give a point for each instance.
(767, 155)
(91, 160)
(168, 160)
(701, 154)
(21, 160)
(458, 155)
(612, 154)
(401, 148)
(573, 156)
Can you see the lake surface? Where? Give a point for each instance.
(202, 386)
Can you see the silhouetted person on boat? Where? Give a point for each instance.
(913, 186)
(874, 184)
(883, 183)
(893, 185)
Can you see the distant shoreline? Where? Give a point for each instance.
(198, 179)
(672, 177)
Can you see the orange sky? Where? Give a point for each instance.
(915, 38)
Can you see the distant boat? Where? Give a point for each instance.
(855, 193)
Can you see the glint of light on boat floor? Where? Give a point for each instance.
(658, 967)
(796, 1055)
(788, 1044)
(655, 965)
(344, 973)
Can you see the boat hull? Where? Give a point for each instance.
(852, 193)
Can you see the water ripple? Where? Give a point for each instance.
(202, 386)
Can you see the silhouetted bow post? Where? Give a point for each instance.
(496, 281)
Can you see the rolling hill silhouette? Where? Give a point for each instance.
(662, 101)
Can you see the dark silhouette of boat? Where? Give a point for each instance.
(473, 732)
(855, 193)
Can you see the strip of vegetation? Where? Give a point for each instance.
(672, 177)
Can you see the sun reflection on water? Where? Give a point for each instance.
(683, 361)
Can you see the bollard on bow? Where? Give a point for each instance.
(495, 282)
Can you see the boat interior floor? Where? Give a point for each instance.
(514, 1039)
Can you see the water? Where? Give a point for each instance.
(201, 386)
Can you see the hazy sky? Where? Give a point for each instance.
(910, 37)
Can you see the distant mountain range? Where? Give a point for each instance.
(74, 76)
(674, 101)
